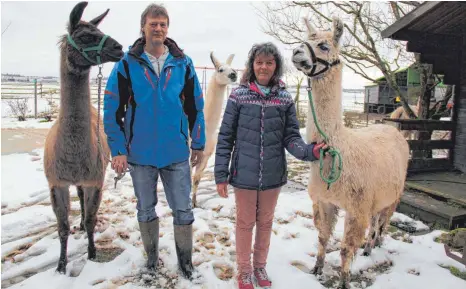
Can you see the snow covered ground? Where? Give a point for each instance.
(30, 244)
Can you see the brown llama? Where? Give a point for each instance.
(214, 98)
(375, 159)
(72, 155)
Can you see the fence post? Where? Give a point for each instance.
(35, 97)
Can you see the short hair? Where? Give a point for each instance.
(154, 10)
(267, 48)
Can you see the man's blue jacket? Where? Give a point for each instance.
(147, 117)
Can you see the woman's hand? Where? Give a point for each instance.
(317, 147)
(222, 190)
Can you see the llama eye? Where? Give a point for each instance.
(323, 46)
(220, 70)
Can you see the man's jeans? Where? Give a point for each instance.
(176, 179)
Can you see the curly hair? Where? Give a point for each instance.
(267, 48)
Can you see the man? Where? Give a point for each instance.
(152, 96)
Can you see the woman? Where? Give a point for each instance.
(258, 124)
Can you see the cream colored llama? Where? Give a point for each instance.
(375, 158)
(214, 99)
(400, 113)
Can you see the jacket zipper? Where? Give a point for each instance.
(261, 157)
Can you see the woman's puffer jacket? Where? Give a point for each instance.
(258, 128)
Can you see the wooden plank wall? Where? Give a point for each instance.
(459, 157)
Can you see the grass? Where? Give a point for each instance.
(455, 272)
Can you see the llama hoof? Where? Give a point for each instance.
(378, 242)
(61, 268)
(344, 285)
(367, 251)
(91, 253)
(344, 281)
(317, 270)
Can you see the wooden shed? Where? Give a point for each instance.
(437, 32)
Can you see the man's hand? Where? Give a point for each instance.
(196, 157)
(119, 164)
(222, 190)
(318, 147)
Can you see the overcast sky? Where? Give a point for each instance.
(29, 46)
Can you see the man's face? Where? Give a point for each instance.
(155, 30)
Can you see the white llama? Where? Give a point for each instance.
(375, 159)
(214, 99)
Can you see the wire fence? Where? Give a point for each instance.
(45, 96)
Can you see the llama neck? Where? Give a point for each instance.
(75, 101)
(326, 94)
(213, 105)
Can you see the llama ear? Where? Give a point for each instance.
(230, 59)
(214, 60)
(99, 19)
(76, 14)
(337, 29)
(311, 31)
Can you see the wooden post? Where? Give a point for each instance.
(35, 98)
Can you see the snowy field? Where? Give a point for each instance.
(30, 244)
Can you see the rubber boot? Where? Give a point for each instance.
(184, 249)
(150, 239)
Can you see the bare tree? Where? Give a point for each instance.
(19, 108)
(295, 78)
(362, 47)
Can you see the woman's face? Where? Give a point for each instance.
(264, 68)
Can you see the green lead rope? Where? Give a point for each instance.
(334, 153)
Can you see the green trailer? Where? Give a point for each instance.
(380, 98)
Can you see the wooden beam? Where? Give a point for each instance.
(433, 47)
(433, 39)
(409, 18)
(428, 165)
(447, 58)
(430, 144)
(422, 124)
(451, 78)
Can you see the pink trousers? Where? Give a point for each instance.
(254, 208)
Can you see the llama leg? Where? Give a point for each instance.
(92, 198)
(81, 202)
(324, 219)
(60, 198)
(198, 176)
(354, 236)
(373, 234)
(196, 180)
(384, 222)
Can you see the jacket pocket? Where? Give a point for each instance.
(234, 167)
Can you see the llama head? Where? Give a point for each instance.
(85, 44)
(224, 74)
(319, 52)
